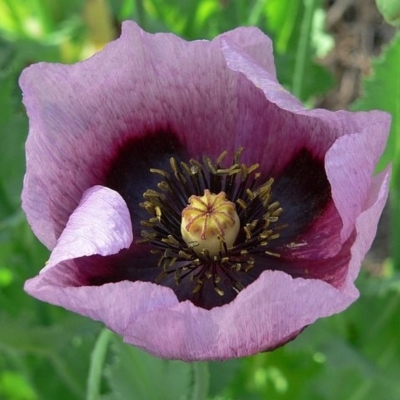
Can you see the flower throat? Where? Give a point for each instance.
(207, 222)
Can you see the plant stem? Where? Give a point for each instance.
(96, 364)
(201, 381)
(303, 46)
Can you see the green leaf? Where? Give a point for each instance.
(283, 17)
(390, 9)
(54, 359)
(136, 374)
(14, 386)
(358, 348)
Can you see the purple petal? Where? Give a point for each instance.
(241, 61)
(295, 127)
(352, 142)
(366, 225)
(154, 85)
(320, 241)
(258, 319)
(271, 309)
(350, 163)
(255, 44)
(100, 225)
(115, 304)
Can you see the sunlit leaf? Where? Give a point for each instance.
(14, 386)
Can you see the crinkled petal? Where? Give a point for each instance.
(240, 60)
(157, 83)
(321, 241)
(117, 305)
(274, 307)
(351, 142)
(366, 225)
(294, 126)
(256, 45)
(100, 225)
(350, 163)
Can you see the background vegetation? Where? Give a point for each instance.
(328, 53)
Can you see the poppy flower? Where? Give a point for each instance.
(190, 202)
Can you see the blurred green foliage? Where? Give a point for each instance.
(382, 91)
(46, 352)
(390, 10)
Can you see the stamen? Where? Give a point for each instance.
(221, 157)
(209, 220)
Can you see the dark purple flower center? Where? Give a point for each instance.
(275, 212)
(258, 217)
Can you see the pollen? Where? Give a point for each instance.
(210, 223)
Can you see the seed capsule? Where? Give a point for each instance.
(210, 221)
